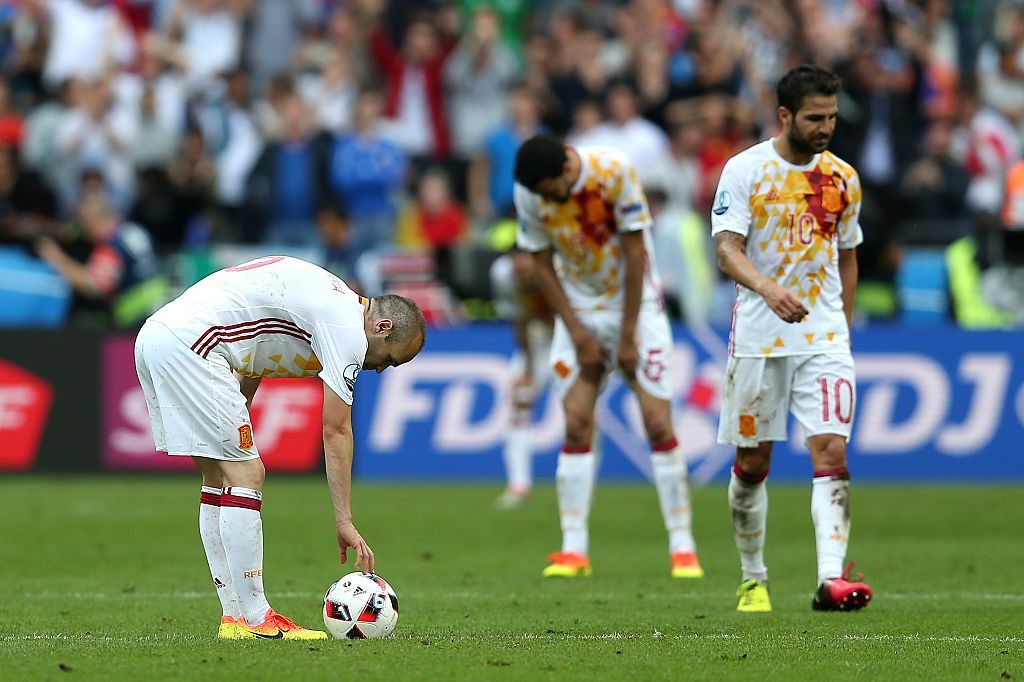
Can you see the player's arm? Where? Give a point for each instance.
(848, 274)
(338, 451)
(588, 351)
(730, 252)
(635, 255)
(248, 387)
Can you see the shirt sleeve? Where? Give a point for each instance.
(530, 236)
(730, 211)
(850, 233)
(631, 211)
(341, 351)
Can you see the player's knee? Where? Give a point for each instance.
(248, 474)
(831, 454)
(578, 427)
(659, 429)
(754, 461)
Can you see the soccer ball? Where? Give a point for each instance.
(360, 606)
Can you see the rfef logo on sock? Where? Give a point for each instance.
(24, 407)
(245, 437)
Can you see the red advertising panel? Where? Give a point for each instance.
(24, 406)
(286, 419)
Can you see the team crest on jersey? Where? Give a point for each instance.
(831, 199)
(349, 375)
(245, 437)
(722, 202)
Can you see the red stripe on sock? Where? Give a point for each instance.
(838, 472)
(576, 449)
(667, 446)
(212, 499)
(750, 479)
(238, 501)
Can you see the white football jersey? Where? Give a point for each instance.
(585, 230)
(274, 317)
(795, 219)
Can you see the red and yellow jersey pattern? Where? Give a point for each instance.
(585, 231)
(795, 220)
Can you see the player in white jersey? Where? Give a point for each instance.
(786, 226)
(200, 360)
(518, 299)
(582, 211)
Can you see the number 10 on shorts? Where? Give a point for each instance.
(836, 399)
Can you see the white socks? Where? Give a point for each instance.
(748, 500)
(209, 531)
(574, 479)
(241, 530)
(830, 511)
(518, 454)
(670, 477)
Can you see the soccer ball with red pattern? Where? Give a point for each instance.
(360, 606)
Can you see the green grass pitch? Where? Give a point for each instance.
(104, 578)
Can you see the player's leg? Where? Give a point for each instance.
(824, 396)
(213, 545)
(652, 386)
(176, 385)
(750, 384)
(241, 528)
(518, 451)
(577, 465)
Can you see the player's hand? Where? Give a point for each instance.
(589, 355)
(784, 303)
(348, 536)
(522, 391)
(628, 356)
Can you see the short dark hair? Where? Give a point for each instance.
(539, 158)
(804, 81)
(407, 317)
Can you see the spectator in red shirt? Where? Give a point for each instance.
(11, 125)
(414, 86)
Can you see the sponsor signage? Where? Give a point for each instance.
(943, 405)
(286, 417)
(24, 407)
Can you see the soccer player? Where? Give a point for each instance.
(582, 210)
(200, 360)
(518, 299)
(785, 223)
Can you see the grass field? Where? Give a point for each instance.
(104, 577)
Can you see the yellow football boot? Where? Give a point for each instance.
(567, 565)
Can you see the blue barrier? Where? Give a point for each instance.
(31, 293)
(942, 405)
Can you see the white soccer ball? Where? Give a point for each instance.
(360, 606)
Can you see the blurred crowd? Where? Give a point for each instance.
(379, 136)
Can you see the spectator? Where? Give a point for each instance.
(367, 173)
(110, 282)
(11, 125)
(96, 136)
(86, 37)
(286, 186)
(629, 132)
(934, 187)
(477, 76)
(336, 237)
(275, 30)
(415, 86)
(193, 177)
(330, 91)
(204, 39)
(233, 140)
(492, 172)
(437, 221)
(155, 143)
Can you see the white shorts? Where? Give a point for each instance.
(195, 405)
(654, 341)
(760, 393)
